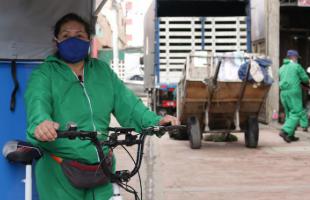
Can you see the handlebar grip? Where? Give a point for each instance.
(74, 134)
(64, 134)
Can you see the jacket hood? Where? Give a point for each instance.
(54, 58)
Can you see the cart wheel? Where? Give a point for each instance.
(179, 134)
(251, 134)
(194, 132)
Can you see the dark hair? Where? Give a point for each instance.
(71, 17)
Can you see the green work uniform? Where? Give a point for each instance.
(55, 93)
(291, 75)
(304, 121)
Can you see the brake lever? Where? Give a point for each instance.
(123, 175)
(161, 130)
(130, 139)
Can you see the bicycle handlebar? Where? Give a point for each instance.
(130, 139)
(72, 134)
(113, 141)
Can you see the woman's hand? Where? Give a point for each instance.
(46, 131)
(168, 119)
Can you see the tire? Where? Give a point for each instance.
(251, 134)
(194, 132)
(179, 135)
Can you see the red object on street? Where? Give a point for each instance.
(163, 86)
(171, 89)
(167, 103)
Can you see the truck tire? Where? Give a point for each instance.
(251, 134)
(194, 132)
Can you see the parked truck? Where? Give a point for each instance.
(174, 28)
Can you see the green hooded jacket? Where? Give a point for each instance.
(55, 93)
(291, 75)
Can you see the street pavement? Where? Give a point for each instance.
(224, 171)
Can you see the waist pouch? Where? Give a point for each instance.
(84, 176)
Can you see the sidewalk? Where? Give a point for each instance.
(299, 132)
(229, 171)
(224, 171)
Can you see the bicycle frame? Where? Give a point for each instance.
(13, 153)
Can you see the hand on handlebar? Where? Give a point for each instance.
(46, 131)
(169, 120)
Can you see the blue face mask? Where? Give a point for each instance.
(73, 49)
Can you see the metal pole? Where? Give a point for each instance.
(116, 193)
(248, 27)
(115, 36)
(28, 182)
(100, 6)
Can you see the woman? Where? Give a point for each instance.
(72, 87)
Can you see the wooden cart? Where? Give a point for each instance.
(210, 106)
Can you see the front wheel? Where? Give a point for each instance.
(194, 132)
(251, 134)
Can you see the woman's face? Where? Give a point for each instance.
(72, 29)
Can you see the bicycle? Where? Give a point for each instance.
(21, 152)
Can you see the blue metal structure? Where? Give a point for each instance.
(13, 126)
(26, 36)
(203, 20)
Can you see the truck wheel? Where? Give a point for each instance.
(194, 132)
(251, 134)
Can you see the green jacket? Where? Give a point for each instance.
(291, 75)
(55, 93)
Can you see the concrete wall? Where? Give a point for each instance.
(107, 20)
(149, 47)
(103, 32)
(273, 51)
(266, 40)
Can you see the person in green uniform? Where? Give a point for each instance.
(304, 121)
(291, 75)
(72, 87)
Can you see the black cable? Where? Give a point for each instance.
(102, 158)
(16, 85)
(140, 182)
(109, 173)
(129, 189)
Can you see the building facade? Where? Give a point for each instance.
(276, 27)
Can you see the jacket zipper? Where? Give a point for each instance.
(91, 111)
(90, 106)
(88, 99)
